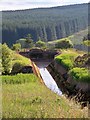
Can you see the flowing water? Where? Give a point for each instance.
(47, 78)
(49, 81)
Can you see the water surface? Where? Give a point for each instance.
(49, 81)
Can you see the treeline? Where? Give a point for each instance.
(45, 23)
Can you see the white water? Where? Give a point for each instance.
(49, 81)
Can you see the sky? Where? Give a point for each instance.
(28, 4)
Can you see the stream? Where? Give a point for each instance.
(47, 78)
(49, 81)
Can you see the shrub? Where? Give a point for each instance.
(11, 61)
(16, 47)
(17, 66)
(40, 44)
(6, 59)
(80, 74)
(67, 60)
(67, 63)
(26, 42)
(64, 44)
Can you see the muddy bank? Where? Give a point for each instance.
(80, 92)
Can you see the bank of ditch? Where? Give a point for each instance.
(59, 75)
(78, 91)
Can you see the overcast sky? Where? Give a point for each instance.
(26, 4)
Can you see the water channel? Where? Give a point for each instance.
(47, 78)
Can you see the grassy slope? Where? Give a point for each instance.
(67, 57)
(34, 100)
(72, 51)
(18, 79)
(18, 57)
(76, 38)
(67, 60)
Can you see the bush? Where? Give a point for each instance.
(16, 47)
(80, 74)
(6, 59)
(17, 66)
(18, 79)
(40, 44)
(11, 61)
(64, 44)
(68, 63)
(67, 60)
(26, 42)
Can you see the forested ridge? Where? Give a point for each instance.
(45, 23)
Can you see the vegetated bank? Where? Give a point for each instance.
(71, 73)
(25, 97)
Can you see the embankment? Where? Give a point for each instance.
(80, 92)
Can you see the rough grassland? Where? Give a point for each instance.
(76, 38)
(34, 100)
(31, 99)
(20, 58)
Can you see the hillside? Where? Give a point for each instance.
(46, 23)
(76, 38)
(25, 97)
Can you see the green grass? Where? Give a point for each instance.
(76, 38)
(19, 58)
(58, 40)
(24, 97)
(34, 100)
(66, 59)
(18, 79)
(80, 74)
(18, 62)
